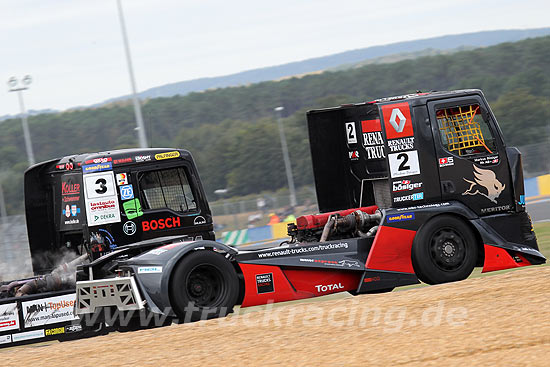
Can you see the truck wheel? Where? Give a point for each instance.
(444, 250)
(204, 285)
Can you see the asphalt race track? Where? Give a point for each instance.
(500, 320)
(539, 210)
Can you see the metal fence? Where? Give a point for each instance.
(15, 257)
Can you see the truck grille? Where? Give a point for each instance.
(120, 292)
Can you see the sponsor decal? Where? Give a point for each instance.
(69, 187)
(129, 228)
(54, 331)
(354, 155)
(35, 334)
(70, 199)
(397, 120)
(9, 318)
(486, 161)
(412, 197)
(160, 224)
(121, 179)
(521, 200)
(167, 155)
(157, 251)
(103, 211)
(132, 208)
(446, 162)
(341, 263)
(392, 218)
(372, 279)
(150, 269)
(98, 160)
(199, 220)
(485, 183)
(370, 126)
(399, 145)
(264, 283)
(5, 339)
(73, 210)
(435, 205)
(372, 139)
(100, 185)
(122, 160)
(50, 310)
(328, 287)
(97, 167)
(406, 185)
(60, 166)
(142, 158)
(495, 209)
(162, 249)
(351, 134)
(126, 192)
(73, 329)
(110, 240)
(303, 249)
(101, 198)
(404, 164)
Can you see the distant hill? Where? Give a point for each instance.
(346, 59)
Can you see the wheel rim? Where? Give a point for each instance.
(205, 286)
(448, 249)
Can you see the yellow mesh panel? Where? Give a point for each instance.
(460, 129)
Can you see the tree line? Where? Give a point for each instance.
(232, 132)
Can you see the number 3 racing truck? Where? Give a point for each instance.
(415, 187)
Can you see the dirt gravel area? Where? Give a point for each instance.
(501, 320)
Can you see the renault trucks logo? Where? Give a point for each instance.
(397, 119)
(486, 180)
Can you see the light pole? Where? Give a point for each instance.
(137, 107)
(288, 168)
(19, 86)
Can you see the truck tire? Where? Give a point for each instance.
(204, 285)
(444, 250)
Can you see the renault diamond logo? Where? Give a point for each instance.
(397, 114)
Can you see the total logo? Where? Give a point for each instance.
(447, 161)
(159, 224)
(406, 185)
(329, 287)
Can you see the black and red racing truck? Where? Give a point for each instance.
(409, 188)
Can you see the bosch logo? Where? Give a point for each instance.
(154, 224)
(397, 120)
(129, 228)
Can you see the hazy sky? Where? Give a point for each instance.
(73, 48)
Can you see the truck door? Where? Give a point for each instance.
(473, 167)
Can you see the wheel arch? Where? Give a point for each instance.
(463, 218)
(186, 250)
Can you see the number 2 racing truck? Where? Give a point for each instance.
(412, 188)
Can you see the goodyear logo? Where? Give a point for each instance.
(55, 331)
(400, 217)
(97, 167)
(167, 155)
